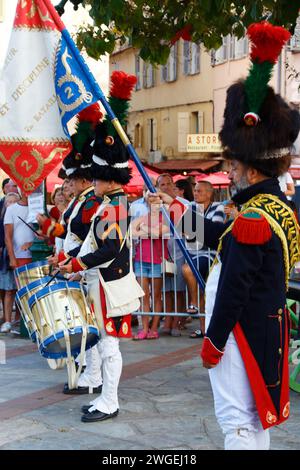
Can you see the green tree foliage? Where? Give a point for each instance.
(152, 25)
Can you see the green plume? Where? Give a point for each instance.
(256, 84)
(84, 130)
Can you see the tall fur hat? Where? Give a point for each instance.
(77, 164)
(110, 156)
(258, 124)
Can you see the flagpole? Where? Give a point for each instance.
(114, 120)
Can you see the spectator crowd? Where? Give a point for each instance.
(159, 264)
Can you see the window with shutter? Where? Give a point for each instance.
(151, 76)
(239, 48)
(196, 122)
(154, 133)
(138, 135)
(195, 58)
(149, 134)
(246, 46)
(231, 40)
(225, 46)
(200, 122)
(221, 54)
(183, 120)
(163, 73)
(186, 57)
(172, 64)
(144, 75)
(138, 72)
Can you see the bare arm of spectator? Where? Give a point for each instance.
(136, 226)
(9, 232)
(290, 187)
(26, 246)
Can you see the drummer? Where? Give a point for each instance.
(105, 257)
(76, 221)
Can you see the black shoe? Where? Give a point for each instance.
(85, 409)
(96, 415)
(81, 390)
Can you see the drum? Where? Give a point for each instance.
(31, 272)
(60, 308)
(22, 297)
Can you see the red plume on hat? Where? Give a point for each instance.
(122, 85)
(91, 114)
(267, 41)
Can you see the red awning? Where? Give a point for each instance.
(135, 185)
(186, 165)
(216, 179)
(295, 172)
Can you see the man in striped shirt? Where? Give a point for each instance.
(201, 255)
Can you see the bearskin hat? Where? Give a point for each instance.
(259, 126)
(110, 155)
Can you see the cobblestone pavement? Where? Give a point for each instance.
(165, 402)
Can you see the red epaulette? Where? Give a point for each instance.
(251, 228)
(114, 213)
(89, 209)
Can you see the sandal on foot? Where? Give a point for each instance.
(192, 309)
(197, 334)
(152, 335)
(140, 335)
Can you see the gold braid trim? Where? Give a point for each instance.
(283, 223)
(275, 226)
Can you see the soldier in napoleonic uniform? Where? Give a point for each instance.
(247, 325)
(106, 262)
(76, 221)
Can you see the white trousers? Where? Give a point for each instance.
(110, 354)
(92, 375)
(235, 407)
(104, 362)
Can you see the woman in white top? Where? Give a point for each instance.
(286, 184)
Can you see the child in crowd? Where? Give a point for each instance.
(150, 250)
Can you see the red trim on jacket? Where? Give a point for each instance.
(77, 265)
(264, 404)
(47, 227)
(210, 353)
(285, 389)
(109, 323)
(55, 213)
(62, 256)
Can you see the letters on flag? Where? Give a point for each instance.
(43, 88)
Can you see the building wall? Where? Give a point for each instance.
(173, 106)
